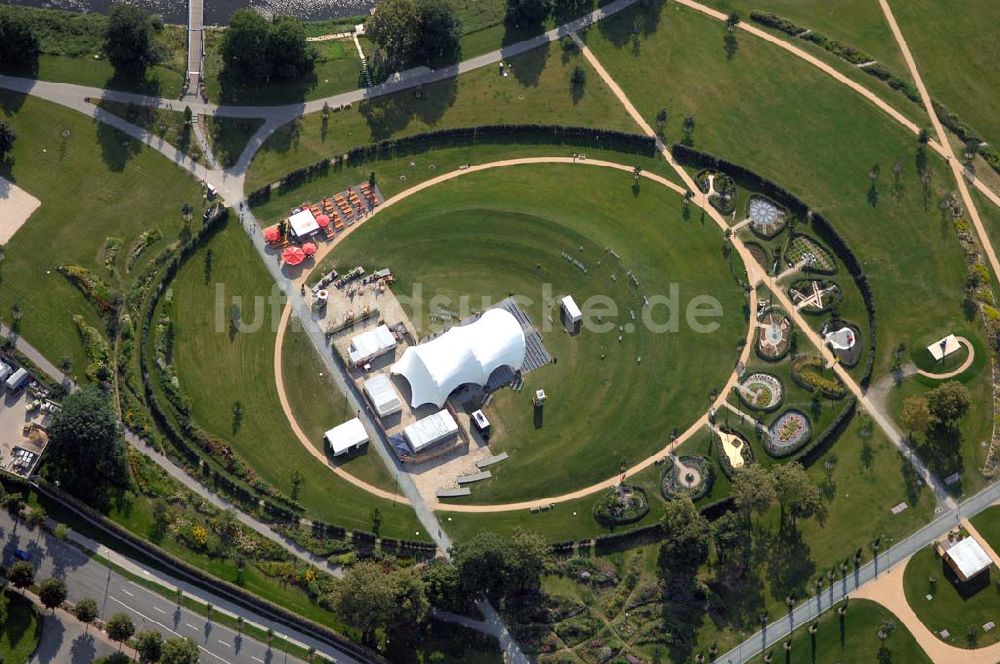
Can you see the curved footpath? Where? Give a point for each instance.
(528, 504)
(955, 372)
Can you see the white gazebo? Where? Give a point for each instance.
(942, 348)
(369, 345)
(383, 395)
(303, 223)
(967, 558)
(350, 435)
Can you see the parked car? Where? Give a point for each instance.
(21, 554)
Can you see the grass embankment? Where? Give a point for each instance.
(539, 91)
(508, 231)
(217, 369)
(71, 45)
(95, 184)
(818, 139)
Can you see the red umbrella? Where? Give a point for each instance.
(323, 221)
(309, 248)
(271, 234)
(293, 255)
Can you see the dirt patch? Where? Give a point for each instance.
(16, 205)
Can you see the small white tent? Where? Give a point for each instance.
(369, 345)
(383, 395)
(431, 430)
(350, 435)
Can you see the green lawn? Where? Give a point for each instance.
(854, 640)
(957, 57)
(490, 234)
(92, 185)
(20, 635)
(216, 371)
(167, 125)
(319, 405)
(962, 616)
(539, 92)
(229, 136)
(987, 523)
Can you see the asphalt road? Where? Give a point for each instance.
(113, 593)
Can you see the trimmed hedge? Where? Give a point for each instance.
(804, 361)
(584, 137)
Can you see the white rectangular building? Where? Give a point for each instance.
(369, 345)
(383, 396)
(350, 435)
(17, 379)
(431, 430)
(942, 348)
(572, 317)
(967, 558)
(5, 371)
(303, 223)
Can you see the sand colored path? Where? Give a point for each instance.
(16, 205)
(701, 422)
(951, 374)
(888, 591)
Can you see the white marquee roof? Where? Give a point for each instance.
(303, 223)
(429, 430)
(464, 354)
(370, 344)
(345, 436)
(969, 556)
(383, 395)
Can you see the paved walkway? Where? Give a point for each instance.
(196, 48)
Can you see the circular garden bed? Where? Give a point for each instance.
(814, 256)
(761, 391)
(809, 373)
(788, 433)
(687, 474)
(767, 218)
(820, 295)
(844, 340)
(623, 504)
(773, 335)
(733, 449)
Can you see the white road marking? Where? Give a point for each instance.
(160, 610)
(191, 626)
(127, 593)
(257, 659)
(223, 643)
(207, 652)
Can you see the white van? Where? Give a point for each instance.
(5, 371)
(17, 380)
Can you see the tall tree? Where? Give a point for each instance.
(120, 628)
(86, 453)
(129, 40)
(916, 415)
(149, 645)
(797, 495)
(484, 563)
(7, 138)
(289, 55)
(949, 402)
(527, 13)
(52, 592)
(180, 651)
(439, 32)
(19, 45)
(21, 574)
(394, 28)
(687, 534)
(753, 490)
(532, 554)
(442, 584)
(86, 611)
(245, 46)
(369, 598)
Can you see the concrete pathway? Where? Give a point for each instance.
(196, 48)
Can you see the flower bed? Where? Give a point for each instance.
(773, 335)
(622, 504)
(831, 295)
(816, 257)
(734, 444)
(690, 474)
(788, 433)
(844, 340)
(759, 254)
(761, 391)
(808, 373)
(767, 218)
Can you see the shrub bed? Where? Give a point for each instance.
(621, 505)
(804, 290)
(767, 218)
(787, 434)
(849, 357)
(807, 372)
(672, 484)
(761, 392)
(817, 258)
(774, 336)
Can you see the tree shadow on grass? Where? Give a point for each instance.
(11, 102)
(235, 90)
(390, 114)
(789, 566)
(641, 20)
(737, 597)
(116, 147)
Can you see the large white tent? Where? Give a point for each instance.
(347, 436)
(464, 354)
(369, 345)
(383, 395)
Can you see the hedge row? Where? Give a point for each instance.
(966, 133)
(234, 593)
(583, 137)
(809, 454)
(842, 51)
(822, 227)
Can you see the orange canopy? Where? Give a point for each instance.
(293, 255)
(309, 248)
(323, 221)
(271, 234)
